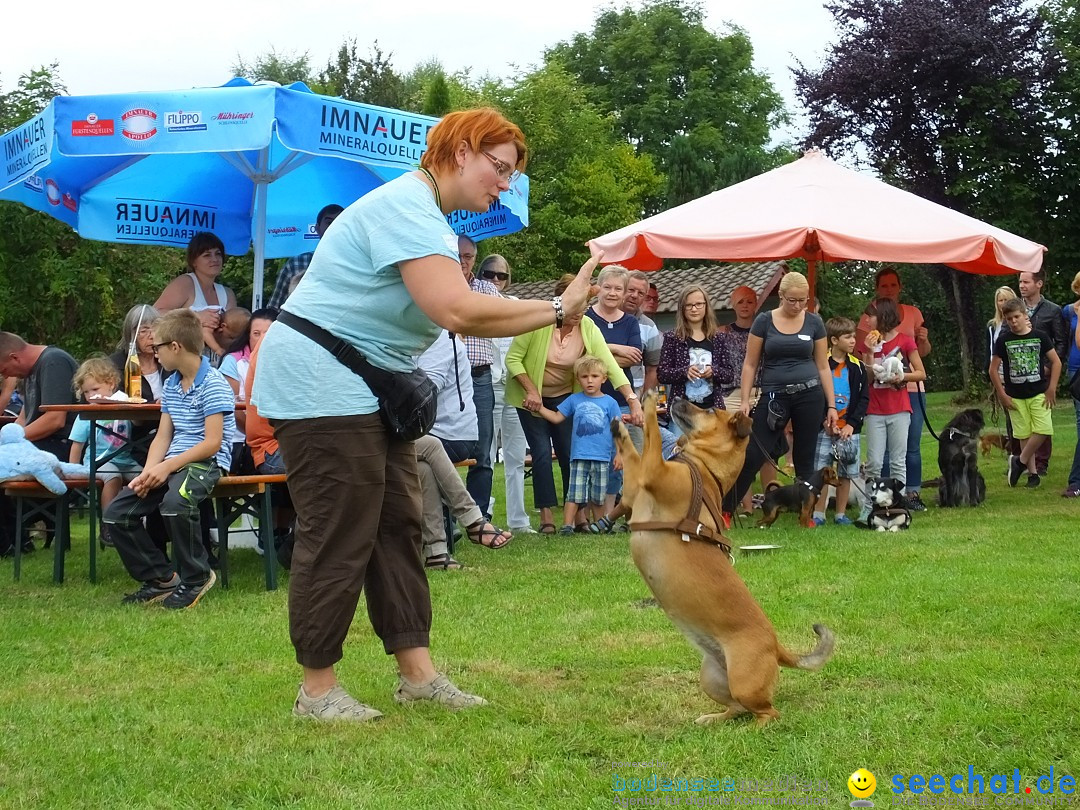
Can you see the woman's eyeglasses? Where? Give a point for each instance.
(492, 275)
(796, 301)
(694, 306)
(503, 169)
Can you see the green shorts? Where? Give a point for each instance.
(1031, 416)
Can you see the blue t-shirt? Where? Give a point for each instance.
(1069, 313)
(624, 332)
(592, 440)
(354, 290)
(209, 394)
(841, 386)
(105, 442)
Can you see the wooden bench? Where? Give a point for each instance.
(237, 495)
(32, 500)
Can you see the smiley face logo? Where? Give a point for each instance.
(862, 784)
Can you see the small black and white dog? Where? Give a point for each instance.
(889, 512)
(961, 482)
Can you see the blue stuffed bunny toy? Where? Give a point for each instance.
(20, 460)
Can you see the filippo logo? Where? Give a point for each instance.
(92, 127)
(139, 124)
(184, 121)
(52, 191)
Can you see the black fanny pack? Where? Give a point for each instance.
(408, 401)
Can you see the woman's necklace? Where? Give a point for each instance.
(434, 187)
(610, 324)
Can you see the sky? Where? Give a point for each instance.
(110, 46)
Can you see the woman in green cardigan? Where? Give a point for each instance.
(540, 370)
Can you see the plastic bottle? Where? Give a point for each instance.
(133, 377)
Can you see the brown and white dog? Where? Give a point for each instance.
(692, 578)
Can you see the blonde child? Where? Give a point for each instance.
(852, 397)
(592, 447)
(97, 378)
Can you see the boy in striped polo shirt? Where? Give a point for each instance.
(184, 463)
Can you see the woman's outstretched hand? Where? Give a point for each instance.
(577, 296)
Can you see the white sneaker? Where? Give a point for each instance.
(337, 704)
(440, 690)
(522, 530)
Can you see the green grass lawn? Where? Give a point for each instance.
(957, 646)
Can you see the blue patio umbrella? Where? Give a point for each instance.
(251, 163)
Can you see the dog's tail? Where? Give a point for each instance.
(817, 657)
(772, 485)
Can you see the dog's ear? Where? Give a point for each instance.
(743, 424)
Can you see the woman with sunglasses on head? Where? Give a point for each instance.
(384, 281)
(494, 268)
(790, 346)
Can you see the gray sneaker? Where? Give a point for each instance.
(439, 690)
(337, 704)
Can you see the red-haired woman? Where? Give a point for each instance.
(385, 279)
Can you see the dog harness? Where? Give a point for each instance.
(691, 526)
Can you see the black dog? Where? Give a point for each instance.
(889, 512)
(961, 482)
(799, 497)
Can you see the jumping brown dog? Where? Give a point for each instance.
(692, 579)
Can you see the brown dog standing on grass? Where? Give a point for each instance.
(693, 579)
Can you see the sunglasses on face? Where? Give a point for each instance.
(492, 275)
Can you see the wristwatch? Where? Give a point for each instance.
(556, 303)
(631, 396)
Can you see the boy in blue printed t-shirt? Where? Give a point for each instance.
(592, 446)
(852, 397)
(184, 463)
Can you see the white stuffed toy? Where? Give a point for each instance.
(890, 371)
(20, 460)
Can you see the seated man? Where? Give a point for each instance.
(447, 364)
(45, 374)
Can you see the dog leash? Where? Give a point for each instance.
(926, 419)
(691, 527)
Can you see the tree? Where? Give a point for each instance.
(1063, 17)
(369, 81)
(946, 99)
(56, 287)
(665, 77)
(437, 98)
(283, 68)
(584, 179)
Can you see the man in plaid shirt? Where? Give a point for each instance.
(481, 356)
(298, 265)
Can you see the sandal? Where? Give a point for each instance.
(601, 526)
(547, 528)
(493, 538)
(444, 562)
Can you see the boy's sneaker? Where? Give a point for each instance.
(440, 690)
(567, 530)
(843, 520)
(1034, 480)
(1071, 492)
(337, 704)
(914, 502)
(187, 596)
(819, 521)
(1016, 469)
(152, 591)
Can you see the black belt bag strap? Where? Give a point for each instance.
(408, 401)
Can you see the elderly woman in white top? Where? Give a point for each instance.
(508, 430)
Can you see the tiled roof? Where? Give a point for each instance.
(719, 279)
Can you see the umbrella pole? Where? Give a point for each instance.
(811, 277)
(261, 180)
